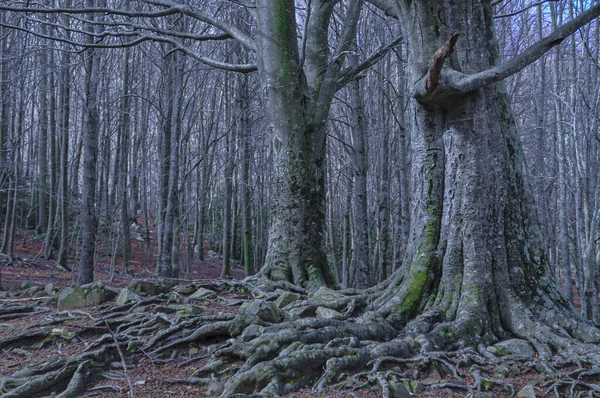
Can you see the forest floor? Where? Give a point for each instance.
(148, 375)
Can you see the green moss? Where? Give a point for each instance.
(486, 384)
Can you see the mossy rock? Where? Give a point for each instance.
(127, 296)
(265, 310)
(325, 295)
(305, 311)
(81, 296)
(284, 298)
(31, 291)
(513, 347)
(527, 392)
(252, 332)
(144, 287)
(50, 288)
(185, 289)
(41, 293)
(328, 313)
(203, 294)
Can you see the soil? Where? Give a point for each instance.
(149, 377)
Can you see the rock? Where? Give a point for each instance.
(513, 347)
(505, 370)
(143, 287)
(252, 332)
(41, 293)
(398, 390)
(265, 310)
(285, 298)
(81, 296)
(328, 313)
(50, 288)
(215, 388)
(303, 312)
(325, 295)
(186, 289)
(127, 296)
(111, 292)
(203, 294)
(193, 351)
(30, 291)
(289, 317)
(527, 392)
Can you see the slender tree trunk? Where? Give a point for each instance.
(245, 136)
(228, 193)
(90, 142)
(65, 113)
(124, 165)
(167, 267)
(360, 229)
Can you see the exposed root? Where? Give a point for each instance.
(250, 356)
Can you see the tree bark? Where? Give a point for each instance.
(298, 93)
(90, 143)
(475, 262)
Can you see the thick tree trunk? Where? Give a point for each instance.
(475, 266)
(295, 251)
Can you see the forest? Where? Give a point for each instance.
(299, 198)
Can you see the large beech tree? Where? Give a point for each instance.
(475, 262)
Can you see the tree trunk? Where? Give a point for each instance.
(245, 137)
(360, 229)
(124, 167)
(167, 268)
(90, 144)
(298, 91)
(475, 262)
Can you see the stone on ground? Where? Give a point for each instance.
(527, 392)
(284, 298)
(143, 287)
(325, 295)
(512, 347)
(328, 313)
(203, 294)
(81, 296)
(265, 310)
(127, 296)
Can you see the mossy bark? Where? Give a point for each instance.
(475, 265)
(298, 93)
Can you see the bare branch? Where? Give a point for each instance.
(236, 33)
(512, 14)
(349, 74)
(171, 8)
(433, 77)
(453, 82)
(527, 57)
